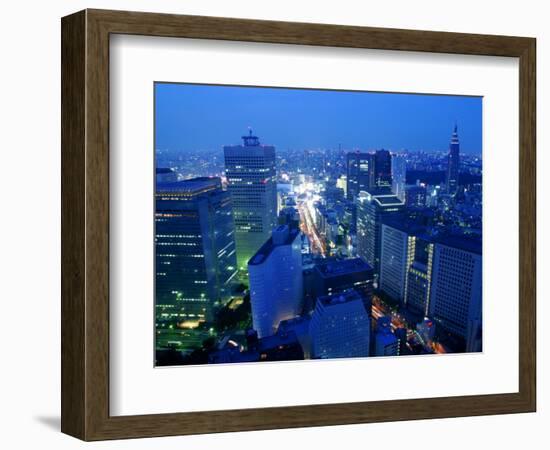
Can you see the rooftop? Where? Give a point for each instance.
(468, 244)
(283, 236)
(193, 186)
(345, 297)
(336, 268)
(407, 226)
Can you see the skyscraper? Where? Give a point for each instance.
(453, 164)
(195, 248)
(372, 208)
(399, 175)
(251, 177)
(340, 327)
(455, 301)
(406, 263)
(360, 173)
(382, 165)
(403, 244)
(276, 283)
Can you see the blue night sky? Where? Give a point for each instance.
(201, 117)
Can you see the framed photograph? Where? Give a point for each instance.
(273, 225)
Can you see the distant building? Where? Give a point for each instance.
(289, 216)
(342, 183)
(360, 173)
(195, 248)
(251, 177)
(383, 174)
(166, 175)
(372, 208)
(456, 289)
(453, 164)
(385, 343)
(415, 196)
(333, 277)
(276, 284)
(399, 175)
(340, 327)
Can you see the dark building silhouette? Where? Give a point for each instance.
(453, 164)
(382, 165)
(360, 173)
(336, 276)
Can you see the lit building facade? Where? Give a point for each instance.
(340, 327)
(195, 249)
(456, 289)
(406, 263)
(276, 281)
(251, 177)
(395, 259)
(372, 209)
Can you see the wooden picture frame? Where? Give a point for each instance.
(85, 224)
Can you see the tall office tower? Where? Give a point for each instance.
(385, 342)
(399, 175)
(360, 173)
(405, 254)
(195, 248)
(340, 327)
(415, 196)
(395, 258)
(276, 283)
(372, 208)
(251, 177)
(455, 299)
(453, 164)
(333, 277)
(382, 165)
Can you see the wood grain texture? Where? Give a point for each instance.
(73, 111)
(85, 224)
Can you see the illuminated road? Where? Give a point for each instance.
(380, 309)
(308, 227)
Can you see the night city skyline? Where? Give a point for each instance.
(320, 250)
(300, 119)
